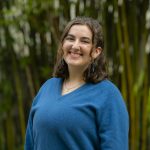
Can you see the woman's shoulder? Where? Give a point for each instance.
(111, 93)
(107, 84)
(51, 81)
(107, 87)
(46, 86)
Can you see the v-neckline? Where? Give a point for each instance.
(70, 93)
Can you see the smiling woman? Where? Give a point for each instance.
(79, 108)
(82, 36)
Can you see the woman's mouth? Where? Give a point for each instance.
(75, 54)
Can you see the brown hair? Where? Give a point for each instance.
(96, 71)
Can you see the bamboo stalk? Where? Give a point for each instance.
(133, 127)
(10, 132)
(121, 49)
(2, 138)
(19, 97)
(145, 108)
(30, 82)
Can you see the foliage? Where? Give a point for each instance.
(29, 34)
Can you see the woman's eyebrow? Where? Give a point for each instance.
(70, 35)
(86, 38)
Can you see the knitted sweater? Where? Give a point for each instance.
(92, 117)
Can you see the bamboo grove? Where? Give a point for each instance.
(29, 36)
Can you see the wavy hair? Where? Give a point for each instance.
(97, 69)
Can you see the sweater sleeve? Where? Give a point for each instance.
(113, 123)
(29, 136)
(29, 133)
(29, 140)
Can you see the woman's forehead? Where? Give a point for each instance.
(78, 29)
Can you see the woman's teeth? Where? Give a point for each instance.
(75, 53)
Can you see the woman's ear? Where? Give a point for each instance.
(96, 52)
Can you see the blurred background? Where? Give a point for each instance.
(29, 34)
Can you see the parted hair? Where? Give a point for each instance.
(97, 69)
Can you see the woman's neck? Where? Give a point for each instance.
(75, 75)
(74, 81)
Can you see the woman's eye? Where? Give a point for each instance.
(85, 41)
(69, 38)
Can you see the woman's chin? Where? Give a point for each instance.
(75, 64)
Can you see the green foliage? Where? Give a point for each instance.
(29, 36)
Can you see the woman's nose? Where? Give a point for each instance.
(76, 45)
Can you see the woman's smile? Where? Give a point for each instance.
(75, 54)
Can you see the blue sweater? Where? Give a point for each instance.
(92, 117)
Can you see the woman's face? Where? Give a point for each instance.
(77, 47)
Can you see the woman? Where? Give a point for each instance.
(79, 108)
